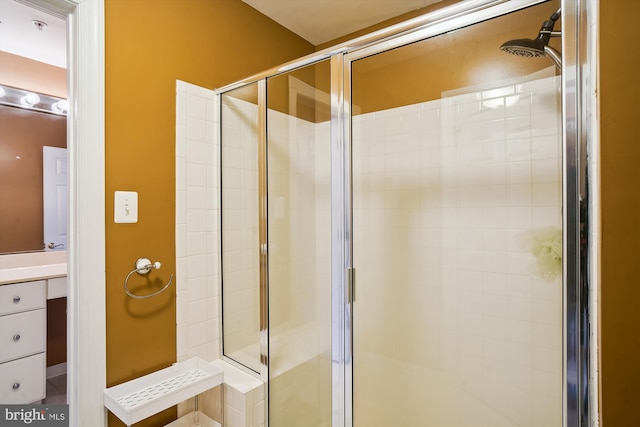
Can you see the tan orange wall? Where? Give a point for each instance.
(56, 331)
(23, 133)
(468, 57)
(619, 91)
(212, 43)
(465, 58)
(150, 44)
(25, 73)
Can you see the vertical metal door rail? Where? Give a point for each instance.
(339, 249)
(263, 235)
(348, 240)
(576, 90)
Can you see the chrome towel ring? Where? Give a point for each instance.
(143, 266)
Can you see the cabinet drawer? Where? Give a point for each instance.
(57, 287)
(22, 334)
(23, 381)
(21, 297)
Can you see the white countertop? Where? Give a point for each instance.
(35, 272)
(32, 266)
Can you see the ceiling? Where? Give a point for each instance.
(317, 21)
(20, 36)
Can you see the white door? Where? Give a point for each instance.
(56, 197)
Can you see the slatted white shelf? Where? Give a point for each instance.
(142, 397)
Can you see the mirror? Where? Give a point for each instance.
(30, 122)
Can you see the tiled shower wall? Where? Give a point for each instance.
(197, 256)
(449, 198)
(507, 190)
(299, 233)
(487, 165)
(240, 231)
(197, 234)
(299, 266)
(299, 271)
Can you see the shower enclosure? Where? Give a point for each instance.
(401, 227)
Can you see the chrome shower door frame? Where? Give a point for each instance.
(575, 174)
(577, 86)
(577, 191)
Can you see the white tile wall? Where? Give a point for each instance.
(442, 192)
(197, 298)
(240, 231)
(197, 253)
(462, 178)
(243, 398)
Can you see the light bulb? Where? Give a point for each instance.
(60, 106)
(30, 99)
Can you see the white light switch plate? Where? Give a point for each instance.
(126, 207)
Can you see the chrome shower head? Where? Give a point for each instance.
(539, 46)
(524, 47)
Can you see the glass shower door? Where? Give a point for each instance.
(240, 227)
(299, 236)
(457, 232)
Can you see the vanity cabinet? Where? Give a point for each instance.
(23, 342)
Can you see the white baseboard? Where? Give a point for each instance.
(56, 370)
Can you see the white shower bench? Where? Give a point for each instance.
(135, 400)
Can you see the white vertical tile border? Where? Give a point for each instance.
(197, 256)
(196, 223)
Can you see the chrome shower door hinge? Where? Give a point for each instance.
(351, 285)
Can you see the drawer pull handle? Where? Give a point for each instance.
(16, 337)
(16, 299)
(16, 386)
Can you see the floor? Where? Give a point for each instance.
(56, 389)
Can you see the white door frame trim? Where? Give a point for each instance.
(86, 330)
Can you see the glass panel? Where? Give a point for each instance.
(240, 220)
(456, 151)
(299, 191)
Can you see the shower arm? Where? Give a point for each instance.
(553, 18)
(555, 56)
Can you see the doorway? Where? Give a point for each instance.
(86, 351)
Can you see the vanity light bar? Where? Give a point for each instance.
(15, 97)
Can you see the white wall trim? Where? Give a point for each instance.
(56, 370)
(86, 351)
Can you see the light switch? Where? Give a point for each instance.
(126, 207)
